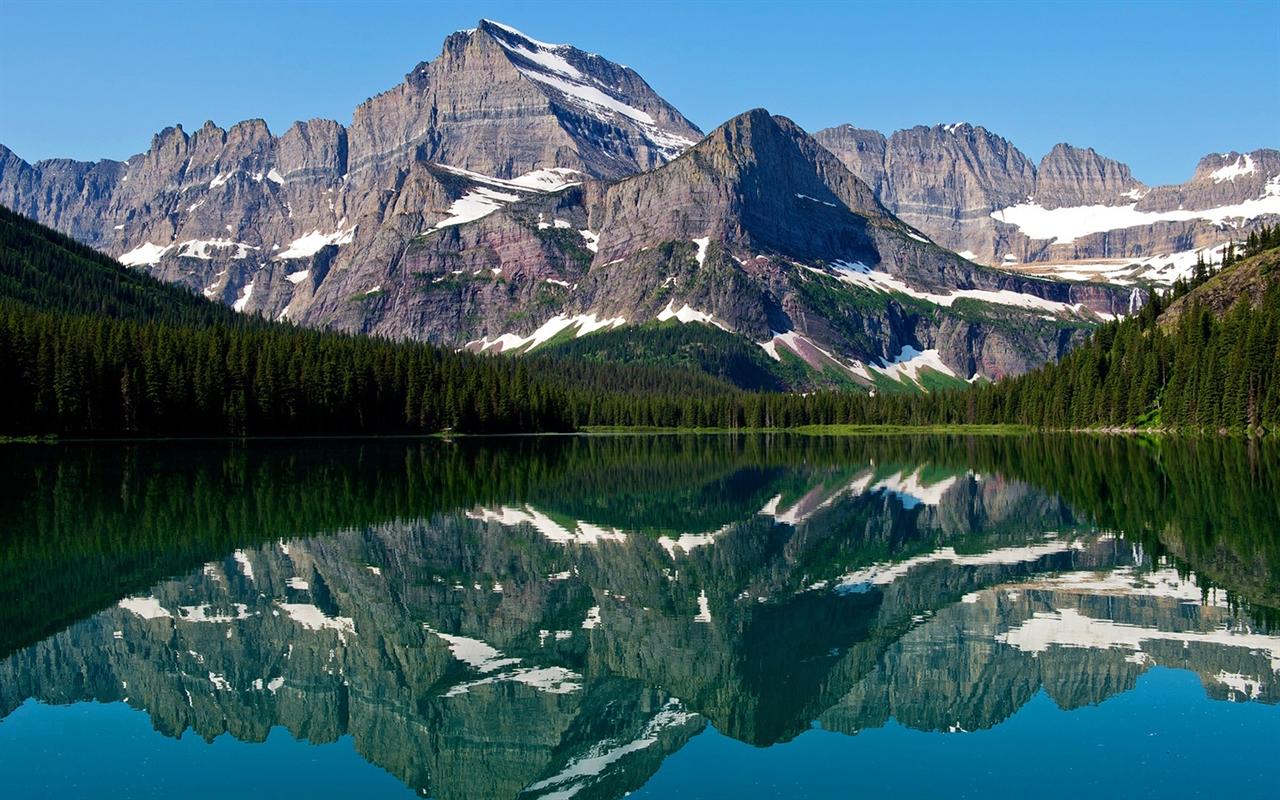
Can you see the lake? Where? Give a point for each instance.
(661, 616)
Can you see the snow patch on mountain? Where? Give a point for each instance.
(539, 180)
(910, 363)
(589, 97)
(702, 244)
(688, 313)
(313, 619)
(145, 607)
(913, 489)
(310, 244)
(145, 254)
(494, 193)
(858, 274)
(480, 656)
(1243, 165)
(243, 300)
(814, 500)
(1067, 627)
(547, 64)
(199, 248)
(583, 533)
(704, 608)
(1160, 269)
(507, 342)
(810, 352)
(543, 54)
(883, 574)
(584, 771)
(1065, 225)
(688, 542)
(477, 203)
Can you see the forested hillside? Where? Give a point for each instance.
(1206, 356)
(90, 348)
(41, 268)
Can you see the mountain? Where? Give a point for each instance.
(93, 348)
(757, 230)
(1204, 356)
(513, 192)
(42, 269)
(1076, 215)
(234, 212)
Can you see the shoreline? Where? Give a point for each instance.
(609, 430)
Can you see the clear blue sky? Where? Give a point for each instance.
(1154, 84)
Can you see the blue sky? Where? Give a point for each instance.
(1154, 84)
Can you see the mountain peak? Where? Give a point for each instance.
(502, 30)
(1078, 176)
(757, 182)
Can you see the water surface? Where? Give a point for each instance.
(669, 616)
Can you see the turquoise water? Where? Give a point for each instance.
(663, 616)
(1123, 747)
(109, 750)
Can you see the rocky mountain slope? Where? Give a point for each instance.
(1249, 278)
(1076, 215)
(511, 192)
(757, 230)
(237, 211)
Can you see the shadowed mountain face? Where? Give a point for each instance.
(554, 617)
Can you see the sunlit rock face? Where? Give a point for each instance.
(566, 623)
(259, 220)
(1076, 215)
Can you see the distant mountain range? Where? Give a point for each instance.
(1077, 215)
(512, 192)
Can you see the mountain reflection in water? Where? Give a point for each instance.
(554, 617)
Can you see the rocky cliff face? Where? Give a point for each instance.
(1077, 215)
(757, 230)
(760, 231)
(255, 220)
(1069, 176)
(502, 104)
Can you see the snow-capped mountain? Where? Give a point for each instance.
(240, 214)
(756, 230)
(512, 191)
(1077, 215)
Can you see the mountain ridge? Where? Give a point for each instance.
(1075, 215)
(758, 230)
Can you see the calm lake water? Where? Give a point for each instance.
(736, 617)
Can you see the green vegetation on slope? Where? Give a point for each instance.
(92, 348)
(1193, 369)
(41, 268)
(700, 348)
